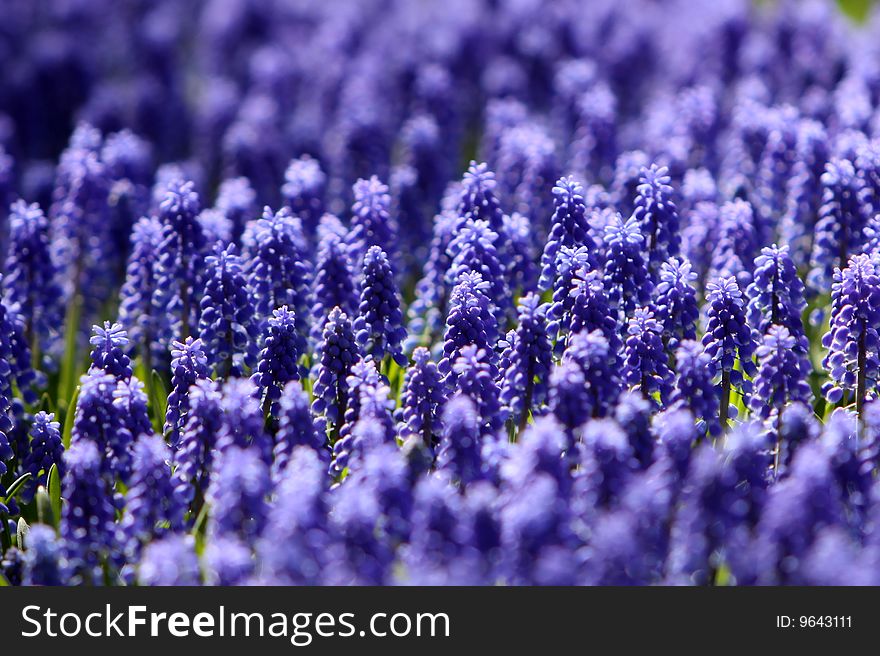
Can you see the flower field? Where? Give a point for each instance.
(474, 292)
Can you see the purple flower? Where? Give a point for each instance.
(459, 451)
(524, 386)
(171, 561)
(189, 364)
(840, 229)
(136, 311)
(476, 377)
(472, 250)
(46, 449)
(31, 276)
(657, 215)
(238, 493)
(378, 326)
(194, 453)
(470, 321)
(736, 242)
(626, 275)
(782, 374)
(695, 386)
(43, 559)
(304, 189)
(601, 369)
(569, 228)
(852, 340)
(276, 266)
(180, 261)
(338, 352)
(108, 355)
(645, 363)
(278, 363)
(100, 421)
(227, 327)
(243, 420)
(422, 400)
(676, 303)
(87, 518)
(153, 507)
(371, 222)
(776, 295)
(293, 548)
(236, 200)
(728, 339)
(333, 285)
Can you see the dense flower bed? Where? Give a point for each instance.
(459, 291)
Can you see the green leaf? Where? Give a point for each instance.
(69, 418)
(45, 514)
(55, 493)
(16, 485)
(70, 365)
(3, 582)
(158, 401)
(21, 531)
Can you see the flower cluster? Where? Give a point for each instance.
(471, 294)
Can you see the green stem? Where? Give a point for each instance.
(725, 399)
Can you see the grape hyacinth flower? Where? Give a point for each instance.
(472, 250)
(736, 242)
(227, 327)
(694, 385)
(295, 429)
(524, 386)
(30, 282)
(170, 561)
(278, 363)
(422, 400)
(776, 295)
(378, 326)
(189, 364)
(840, 229)
(194, 452)
(569, 398)
(569, 228)
(338, 352)
(43, 560)
(238, 493)
(99, 420)
(333, 285)
(136, 311)
(303, 190)
(276, 266)
(153, 506)
(109, 353)
(852, 340)
(87, 519)
(572, 267)
(657, 216)
(459, 451)
(236, 200)
(243, 423)
(590, 309)
(645, 363)
(676, 302)
(371, 222)
(600, 366)
(728, 340)
(476, 377)
(627, 283)
(470, 321)
(179, 265)
(782, 374)
(46, 449)
(294, 545)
